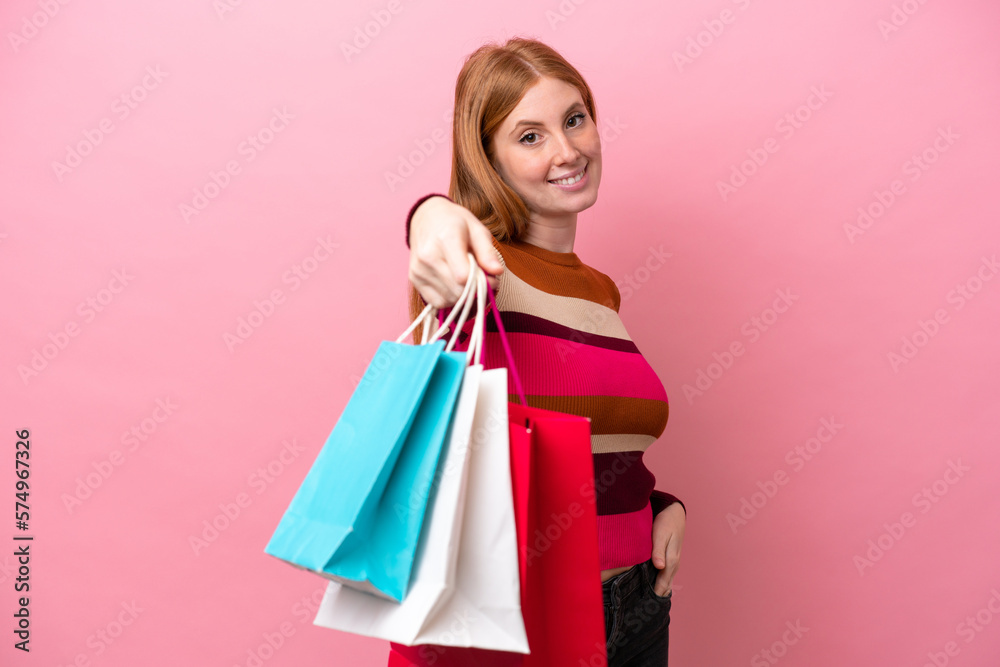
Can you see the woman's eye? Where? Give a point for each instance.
(582, 117)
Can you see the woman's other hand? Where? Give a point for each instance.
(442, 233)
(668, 536)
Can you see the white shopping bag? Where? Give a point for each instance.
(465, 589)
(484, 609)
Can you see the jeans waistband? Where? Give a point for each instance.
(624, 583)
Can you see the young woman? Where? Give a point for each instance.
(526, 161)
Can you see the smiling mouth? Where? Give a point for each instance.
(572, 180)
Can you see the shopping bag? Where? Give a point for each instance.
(484, 610)
(564, 603)
(559, 566)
(561, 597)
(357, 516)
(465, 589)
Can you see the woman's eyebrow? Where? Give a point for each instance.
(536, 122)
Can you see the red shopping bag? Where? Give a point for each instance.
(564, 605)
(555, 515)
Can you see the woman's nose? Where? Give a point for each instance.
(566, 149)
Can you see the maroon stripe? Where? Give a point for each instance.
(524, 323)
(622, 483)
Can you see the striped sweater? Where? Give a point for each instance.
(573, 355)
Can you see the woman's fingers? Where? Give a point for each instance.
(439, 255)
(481, 242)
(441, 273)
(457, 269)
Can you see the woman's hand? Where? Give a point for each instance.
(442, 233)
(668, 536)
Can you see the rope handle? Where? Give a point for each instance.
(477, 336)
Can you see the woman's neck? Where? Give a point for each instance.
(555, 236)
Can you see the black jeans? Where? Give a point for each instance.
(636, 619)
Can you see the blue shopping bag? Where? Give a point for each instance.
(357, 516)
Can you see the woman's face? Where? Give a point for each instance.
(547, 137)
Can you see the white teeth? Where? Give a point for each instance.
(569, 181)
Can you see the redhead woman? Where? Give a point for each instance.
(526, 161)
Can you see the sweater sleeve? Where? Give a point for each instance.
(660, 500)
(413, 209)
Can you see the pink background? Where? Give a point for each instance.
(156, 333)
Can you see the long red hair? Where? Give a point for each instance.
(491, 83)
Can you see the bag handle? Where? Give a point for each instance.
(481, 320)
(429, 311)
(506, 347)
(477, 336)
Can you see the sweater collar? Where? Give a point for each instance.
(561, 258)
